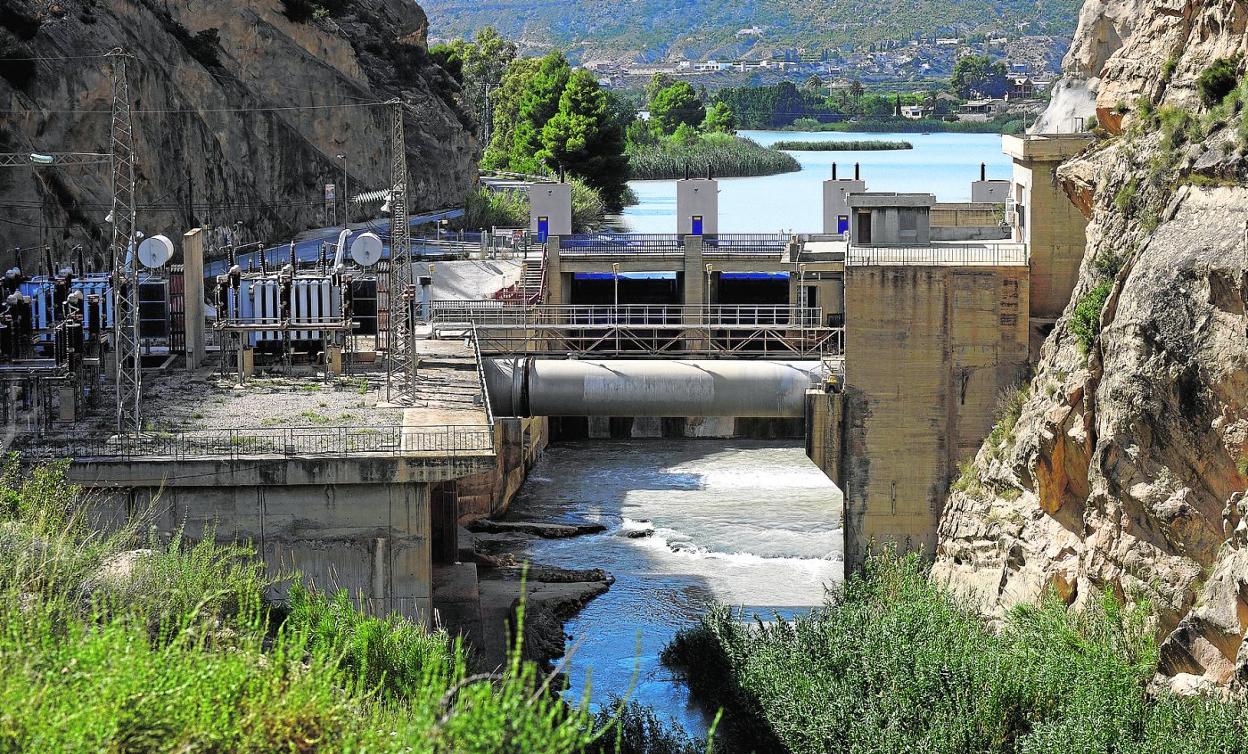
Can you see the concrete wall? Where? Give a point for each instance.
(1055, 233)
(824, 422)
(362, 524)
(928, 352)
(675, 427)
(552, 201)
(520, 444)
(886, 226)
(990, 191)
(697, 196)
(836, 200)
(970, 233)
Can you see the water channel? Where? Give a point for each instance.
(747, 523)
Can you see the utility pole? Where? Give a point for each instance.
(124, 260)
(401, 364)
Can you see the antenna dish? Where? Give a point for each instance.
(155, 252)
(366, 249)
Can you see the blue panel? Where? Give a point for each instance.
(543, 229)
(753, 276)
(625, 276)
(697, 225)
(842, 224)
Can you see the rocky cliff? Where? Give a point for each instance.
(241, 108)
(1126, 468)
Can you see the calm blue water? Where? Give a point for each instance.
(942, 164)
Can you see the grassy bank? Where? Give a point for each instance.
(828, 145)
(907, 126)
(727, 157)
(893, 664)
(120, 643)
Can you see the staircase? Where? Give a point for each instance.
(532, 286)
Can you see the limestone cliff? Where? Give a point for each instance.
(240, 111)
(1128, 465)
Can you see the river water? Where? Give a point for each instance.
(943, 164)
(747, 523)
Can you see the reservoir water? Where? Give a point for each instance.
(943, 164)
(747, 523)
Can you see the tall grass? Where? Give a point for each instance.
(725, 155)
(892, 664)
(865, 145)
(177, 651)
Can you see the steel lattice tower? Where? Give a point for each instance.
(124, 260)
(401, 371)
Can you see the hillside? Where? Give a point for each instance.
(1127, 465)
(242, 107)
(669, 29)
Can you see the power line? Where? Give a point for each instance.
(52, 57)
(190, 111)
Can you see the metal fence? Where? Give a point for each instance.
(621, 243)
(985, 255)
(497, 314)
(745, 243)
(448, 441)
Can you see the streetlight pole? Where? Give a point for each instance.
(615, 311)
(706, 303)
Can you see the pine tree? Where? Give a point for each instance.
(584, 138)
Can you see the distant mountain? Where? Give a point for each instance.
(668, 29)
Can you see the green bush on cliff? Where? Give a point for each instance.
(894, 664)
(104, 647)
(1085, 321)
(1217, 80)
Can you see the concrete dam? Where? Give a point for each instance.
(885, 340)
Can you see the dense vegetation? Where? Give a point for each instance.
(685, 134)
(721, 155)
(894, 664)
(863, 145)
(486, 209)
(699, 27)
(173, 648)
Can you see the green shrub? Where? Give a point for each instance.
(1217, 81)
(1124, 198)
(1085, 321)
(894, 664)
(484, 208)
(1168, 68)
(226, 673)
(865, 145)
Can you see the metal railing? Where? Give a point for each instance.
(485, 389)
(285, 442)
(621, 243)
(985, 255)
(745, 243)
(501, 314)
(686, 341)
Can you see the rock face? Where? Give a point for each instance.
(1128, 467)
(231, 116)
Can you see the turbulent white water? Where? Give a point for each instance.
(748, 523)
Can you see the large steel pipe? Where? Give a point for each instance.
(619, 387)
